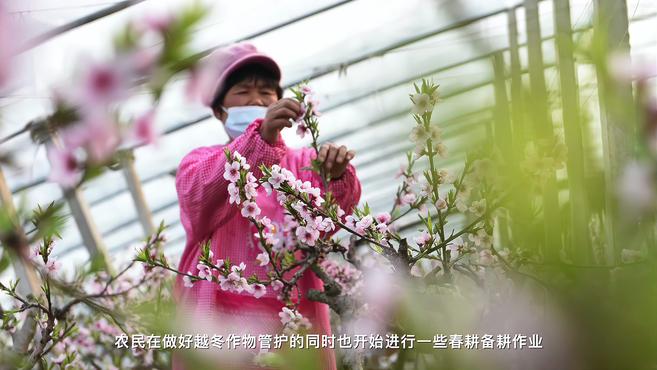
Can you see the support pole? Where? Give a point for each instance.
(616, 109)
(502, 133)
(136, 191)
(542, 129)
(82, 216)
(29, 282)
(580, 246)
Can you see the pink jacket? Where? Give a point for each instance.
(205, 212)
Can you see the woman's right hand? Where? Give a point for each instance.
(278, 117)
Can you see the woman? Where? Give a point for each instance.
(247, 98)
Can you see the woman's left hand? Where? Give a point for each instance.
(334, 159)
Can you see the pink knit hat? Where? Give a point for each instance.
(228, 59)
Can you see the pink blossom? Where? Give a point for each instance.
(97, 133)
(302, 130)
(259, 290)
(188, 280)
(292, 320)
(309, 189)
(365, 222)
(266, 222)
(281, 198)
(306, 90)
(454, 249)
(303, 110)
(288, 175)
(103, 84)
(324, 224)
(287, 315)
(350, 221)
(277, 285)
(52, 266)
(276, 179)
(250, 209)
(289, 222)
(313, 104)
(142, 61)
(383, 218)
(263, 259)
(234, 194)
(237, 157)
(35, 254)
(307, 235)
(423, 238)
(306, 187)
(143, 130)
(238, 268)
(104, 139)
(59, 359)
(295, 184)
(232, 171)
(407, 199)
(303, 210)
(271, 239)
(233, 282)
(348, 277)
(481, 238)
(204, 271)
(104, 327)
(64, 168)
(441, 204)
(250, 190)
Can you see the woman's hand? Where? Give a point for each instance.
(334, 159)
(278, 117)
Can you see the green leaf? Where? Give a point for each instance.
(288, 259)
(50, 221)
(4, 262)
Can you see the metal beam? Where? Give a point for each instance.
(48, 35)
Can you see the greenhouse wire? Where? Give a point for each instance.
(202, 118)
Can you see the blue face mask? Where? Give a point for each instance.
(239, 118)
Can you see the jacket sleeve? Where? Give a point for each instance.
(346, 189)
(200, 184)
